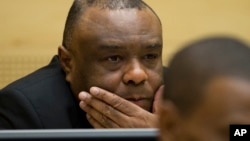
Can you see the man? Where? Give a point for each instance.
(208, 88)
(111, 55)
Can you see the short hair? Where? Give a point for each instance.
(79, 6)
(198, 63)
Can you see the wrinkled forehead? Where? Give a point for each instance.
(96, 17)
(126, 27)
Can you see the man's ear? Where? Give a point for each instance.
(65, 58)
(169, 120)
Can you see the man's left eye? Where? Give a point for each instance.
(114, 58)
(150, 56)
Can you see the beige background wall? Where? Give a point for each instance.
(31, 30)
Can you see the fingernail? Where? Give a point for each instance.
(88, 116)
(82, 103)
(94, 90)
(83, 95)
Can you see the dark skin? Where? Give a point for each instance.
(114, 66)
(226, 101)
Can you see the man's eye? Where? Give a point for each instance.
(150, 56)
(114, 58)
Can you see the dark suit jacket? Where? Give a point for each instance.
(42, 99)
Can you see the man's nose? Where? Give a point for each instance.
(135, 73)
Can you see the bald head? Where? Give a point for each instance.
(198, 63)
(79, 7)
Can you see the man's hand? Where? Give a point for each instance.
(107, 110)
(157, 99)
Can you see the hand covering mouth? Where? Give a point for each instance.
(140, 101)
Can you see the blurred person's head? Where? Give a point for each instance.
(115, 45)
(207, 88)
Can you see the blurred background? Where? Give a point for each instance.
(31, 30)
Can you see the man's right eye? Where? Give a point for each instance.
(114, 59)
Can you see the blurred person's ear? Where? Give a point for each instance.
(169, 120)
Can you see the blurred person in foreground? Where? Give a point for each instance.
(106, 74)
(207, 89)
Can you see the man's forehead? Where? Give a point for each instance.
(124, 19)
(98, 13)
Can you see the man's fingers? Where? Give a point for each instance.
(108, 110)
(96, 124)
(93, 122)
(115, 101)
(101, 112)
